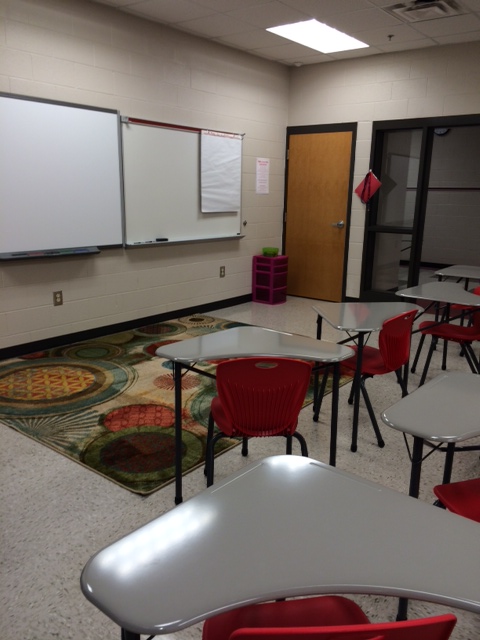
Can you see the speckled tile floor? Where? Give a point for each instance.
(55, 514)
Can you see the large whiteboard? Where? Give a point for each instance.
(60, 176)
(161, 169)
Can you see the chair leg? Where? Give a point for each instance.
(427, 361)
(417, 354)
(351, 394)
(303, 444)
(371, 413)
(444, 355)
(317, 404)
(210, 461)
(289, 445)
(245, 447)
(470, 357)
(401, 382)
(209, 440)
(210, 457)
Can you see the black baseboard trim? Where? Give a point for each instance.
(58, 341)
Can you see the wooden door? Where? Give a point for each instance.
(317, 200)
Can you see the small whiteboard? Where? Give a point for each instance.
(162, 171)
(60, 176)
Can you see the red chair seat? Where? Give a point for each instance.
(452, 332)
(373, 363)
(462, 498)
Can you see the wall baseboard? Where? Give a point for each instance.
(58, 341)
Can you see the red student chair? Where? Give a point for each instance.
(392, 354)
(257, 397)
(456, 333)
(449, 332)
(462, 498)
(319, 618)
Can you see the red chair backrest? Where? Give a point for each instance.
(476, 314)
(263, 396)
(434, 628)
(394, 340)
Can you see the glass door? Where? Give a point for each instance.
(408, 218)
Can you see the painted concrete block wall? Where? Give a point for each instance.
(413, 84)
(79, 52)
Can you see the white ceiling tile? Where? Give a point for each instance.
(270, 14)
(251, 39)
(328, 7)
(448, 26)
(397, 34)
(215, 26)
(406, 46)
(168, 11)
(224, 6)
(472, 5)
(471, 36)
(357, 21)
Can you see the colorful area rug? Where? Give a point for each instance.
(109, 403)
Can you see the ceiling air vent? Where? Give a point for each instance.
(421, 10)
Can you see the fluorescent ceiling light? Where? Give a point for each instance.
(318, 36)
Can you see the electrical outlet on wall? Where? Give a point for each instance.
(222, 272)
(57, 298)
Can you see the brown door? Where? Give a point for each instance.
(318, 192)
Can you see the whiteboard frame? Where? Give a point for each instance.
(161, 174)
(60, 177)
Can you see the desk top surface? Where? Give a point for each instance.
(460, 271)
(450, 292)
(283, 526)
(446, 409)
(253, 341)
(361, 316)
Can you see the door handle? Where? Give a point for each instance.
(340, 224)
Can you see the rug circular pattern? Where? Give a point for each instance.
(52, 387)
(200, 404)
(141, 458)
(89, 351)
(166, 382)
(151, 348)
(162, 329)
(198, 320)
(139, 415)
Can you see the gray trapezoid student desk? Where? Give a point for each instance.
(362, 318)
(461, 272)
(240, 342)
(444, 411)
(349, 536)
(435, 293)
(441, 291)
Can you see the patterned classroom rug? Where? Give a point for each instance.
(108, 403)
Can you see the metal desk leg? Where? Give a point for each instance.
(356, 396)
(129, 635)
(177, 375)
(447, 469)
(334, 418)
(316, 396)
(413, 491)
